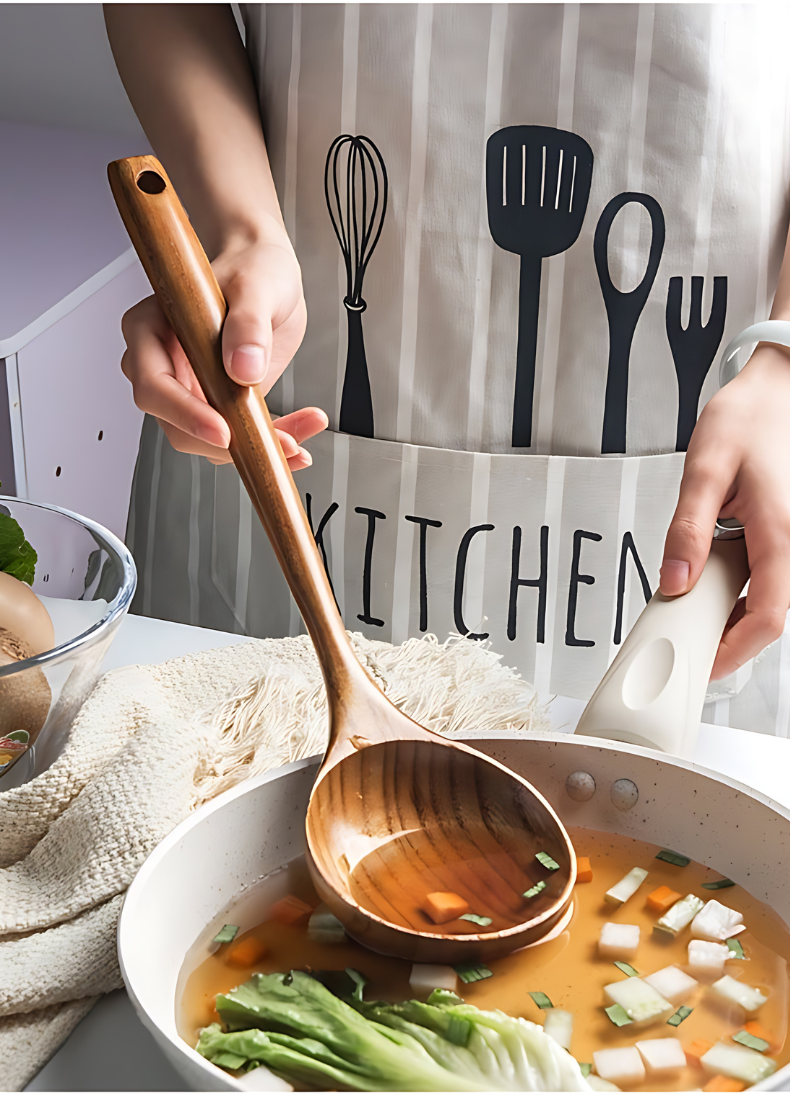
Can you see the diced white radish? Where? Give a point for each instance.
(324, 928)
(716, 922)
(640, 1001)
(597, 1084)
(559, 1025)
(662, 1055)
(627, 887)
(738, 993)
(620, 1065)
(707, 959)
(739, 1062)
(618, 941)
(426, 977)
(673, 984)
(680, 915)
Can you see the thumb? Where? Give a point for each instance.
(247, 333)
(690, 534)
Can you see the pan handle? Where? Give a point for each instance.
(654, 690)
(192, 301)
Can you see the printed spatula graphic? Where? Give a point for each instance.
(537, 188)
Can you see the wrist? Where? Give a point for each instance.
(241, 232)
(768, 355)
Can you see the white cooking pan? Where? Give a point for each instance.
(258, 827)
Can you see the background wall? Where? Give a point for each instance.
(68, 425)
(56, 69)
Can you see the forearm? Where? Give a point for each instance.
(781, 306)
(186, 74)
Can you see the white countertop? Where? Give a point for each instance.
(111, 1043)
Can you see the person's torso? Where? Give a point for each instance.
(684, 109)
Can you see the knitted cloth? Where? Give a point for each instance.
(150, 745)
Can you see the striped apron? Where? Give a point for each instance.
(584, 203)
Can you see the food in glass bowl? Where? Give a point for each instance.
(26, 630)
(65, 585)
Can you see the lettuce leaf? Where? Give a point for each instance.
(17, 557)
(313, 1039)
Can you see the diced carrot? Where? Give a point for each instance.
(291, 911)
(662, 898)
(724, 1084)
(755, 1028)
(695, 1051)
(583, 870)
(443, 906)
(246, 952)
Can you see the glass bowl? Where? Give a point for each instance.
(86, 578)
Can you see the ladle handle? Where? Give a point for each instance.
(192, 301)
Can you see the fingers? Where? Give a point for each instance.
(247, 334)
(188, 443)
(266, 315)
(704, 489)
(164, 383)
(303, 424)
(762, 619)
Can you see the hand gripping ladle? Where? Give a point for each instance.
(396, 812)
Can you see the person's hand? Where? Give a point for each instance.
(263, 329)
(738, 465)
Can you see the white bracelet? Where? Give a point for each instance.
(769, 331)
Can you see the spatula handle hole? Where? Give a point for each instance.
(150, 182)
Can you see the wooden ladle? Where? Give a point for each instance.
(397, 812)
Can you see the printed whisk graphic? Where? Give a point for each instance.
(355, 184)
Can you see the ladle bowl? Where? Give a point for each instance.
(397, 812)
(397, 820)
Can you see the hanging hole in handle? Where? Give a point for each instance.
(648, 674)
(150, 182)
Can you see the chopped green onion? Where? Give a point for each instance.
(541, 1000)
(718, 884)
(675, 858)
(751, 1041)
(472, 972)
(476, 919)
(626, 968)
(618, 1015)
(226, 934)
(547, 861)
(359, 980)
(586, 1068)
(533, 892)
(736, 947)
(682, 1013)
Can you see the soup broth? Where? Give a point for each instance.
(567, 969)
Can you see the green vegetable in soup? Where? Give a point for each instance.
(676, 858)
(472, 972)
(301, 1031)
(226, 934)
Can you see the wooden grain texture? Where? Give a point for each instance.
(395, 808)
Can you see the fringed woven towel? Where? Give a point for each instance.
(151, 744)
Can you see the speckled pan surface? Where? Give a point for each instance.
(258, 827)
